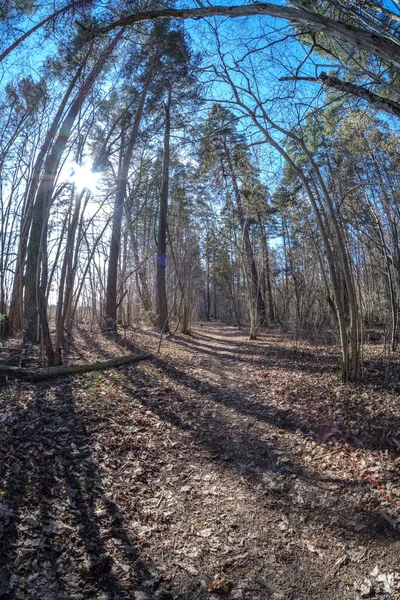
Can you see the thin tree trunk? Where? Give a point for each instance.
(250, 262)
(161, 290)
(43, 198)
(267, 267)
(328, 249)
(110, 317)
(65, 280)
(208, 295)
(16, 309)
(215, 315)
(144, 290)
(33, 29)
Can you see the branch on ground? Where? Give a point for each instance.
(47, 372)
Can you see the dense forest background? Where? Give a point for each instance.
(161, 164)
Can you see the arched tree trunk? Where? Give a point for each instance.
(369, 41)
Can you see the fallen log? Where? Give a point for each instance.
(38, 374)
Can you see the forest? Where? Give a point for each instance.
(199, 299)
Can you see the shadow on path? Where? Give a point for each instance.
(242, 451)
(54, 511)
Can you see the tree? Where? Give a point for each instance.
(126, 153)
(36, 271)
(176, 85)
(368, 40)
(223, 154)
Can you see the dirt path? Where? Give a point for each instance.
(223, 468)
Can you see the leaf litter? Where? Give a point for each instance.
(222, 468)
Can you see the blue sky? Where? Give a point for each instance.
(237, 36)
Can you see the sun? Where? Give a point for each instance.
(83, 177)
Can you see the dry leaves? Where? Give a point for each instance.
(224, 468)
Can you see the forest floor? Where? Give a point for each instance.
(222, 468)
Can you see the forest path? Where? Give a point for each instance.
(221, 468)
(301, 470)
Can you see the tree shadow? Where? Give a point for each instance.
(49, 466)
(265, 356)
(93, 343)
(370, 430)
(54, 511)
(245, 455)
(379, 373)
(373, 434)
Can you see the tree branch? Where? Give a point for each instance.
(47, 372)
(378, 102)
(365, 40)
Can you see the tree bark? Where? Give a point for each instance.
(349, 371)
(368, 41)
(43, 197)
(254, 287)
(267, 266)
(208, 293)
(110, 317)
(16, 308)
(161, 289)
(376, 101)
(66, 282)
(46, 373)
(143, 287)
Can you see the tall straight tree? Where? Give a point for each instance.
(126, 152)
(35, 275)
(223, 154)
(161, 288)
(177, 86)
(16, 308)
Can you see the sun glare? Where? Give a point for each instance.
(83, 177)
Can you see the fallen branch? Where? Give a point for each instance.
(44, 373)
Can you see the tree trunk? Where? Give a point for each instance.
(16, 306)
(249, 263)
(208, 293)
(38, 374)
(66, 281)
(346, 374)
(369, 41)
(44, 194)
(110, 317)
(144, 290)
(35, 28)
(215, 315)
(161, 291)
(267, 267)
